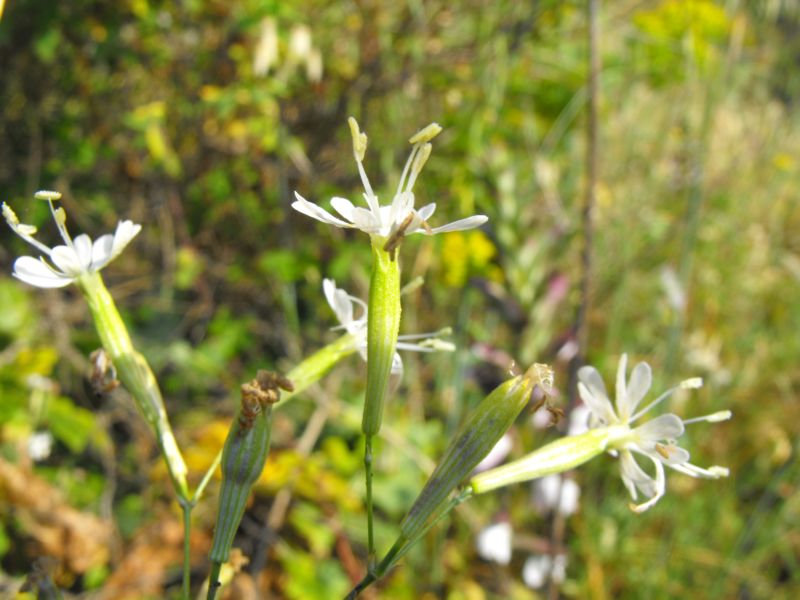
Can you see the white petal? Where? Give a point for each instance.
(496, 455)
(38, 273)
(634, 477)
(397, 364)
(101, 251)
(663, 427)
(315, 212)
(462, 224)
(343, 206)
(426, 212)
(366, 221)
(402, 204)
(621, 395)
(83, 249)
(494, 543)
(659, 488)
(592, 391)
(67, 260)
(639, 384)
(126, 231)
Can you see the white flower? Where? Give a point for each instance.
(344, 306)
(70, 261)
(398, 218)
(494, 543)
(553, 491)
(496, 455)
(40, 444)
(539, 568)
(654, 440)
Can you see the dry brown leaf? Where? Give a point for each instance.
(77, 539)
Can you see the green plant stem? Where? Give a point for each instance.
(213, 580)
(403, 545)
(187, 507)
(370, 527)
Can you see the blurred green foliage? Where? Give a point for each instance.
(200, 119)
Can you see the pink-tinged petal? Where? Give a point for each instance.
(638, 386)
(38, 273)
(309, 209)
(663, 427)
(67, 261)
(83, 249)
(343, 206)
(592, 391)
(462, 224)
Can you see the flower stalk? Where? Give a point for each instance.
(135, 374)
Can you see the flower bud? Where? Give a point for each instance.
(473, 441)
(383, 326)
(244, 455)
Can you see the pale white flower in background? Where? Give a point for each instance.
(345, 306)
(40, 444)
(494, 543)
(554, 492)
(496, 455)
(579, 420)
(399, 217)
(70, 261)
(654, 440)
(539, 568)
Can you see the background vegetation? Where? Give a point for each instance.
(199, 120)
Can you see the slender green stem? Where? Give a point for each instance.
(370, 528)
(186, 507)
(213, 580)
(403, 545)
(206, 478)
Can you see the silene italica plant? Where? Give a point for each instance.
(370, 328)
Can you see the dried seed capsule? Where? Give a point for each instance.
(244, 455)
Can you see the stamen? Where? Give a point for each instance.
(60, 217)
(47, 195)
(26, 232)
(656, 402)
(406, 167)
(662, 450)
(419, 161)
(426, 134)
(716, 417)
(412, 285)
(359, 139)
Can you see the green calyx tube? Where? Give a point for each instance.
(475, 438)
(243, 458)
(383, 326)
